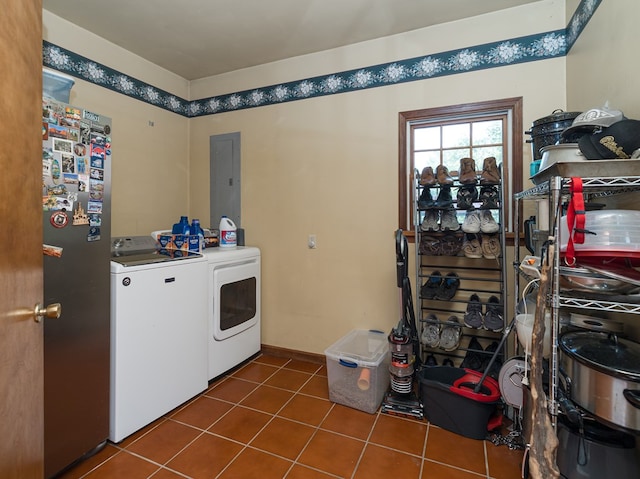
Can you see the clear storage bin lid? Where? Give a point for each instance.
(364, 347)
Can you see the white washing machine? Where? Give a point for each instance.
(158, 333)
(234, 306)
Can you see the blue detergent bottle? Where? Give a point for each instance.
(182, 227)
(196, 229)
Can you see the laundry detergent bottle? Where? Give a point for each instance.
(228, 237)
(181, 227)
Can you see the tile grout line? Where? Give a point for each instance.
(262, 383)
(273, 415)
(315, 432)
(424, 448)
(366, 442)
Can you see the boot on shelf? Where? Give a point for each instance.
(427, 177)
(490, 173)
(467, 175)
(442, 175)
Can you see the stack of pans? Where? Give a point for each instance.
(548, 131)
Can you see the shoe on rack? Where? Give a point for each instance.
(442, 175)
(430, 336)
(431, 286)
(490, 174)
(448, 287)
(444, 199)
(450, 334)
(471, 223)
(471, 246)
(425, 200)
(493, 320)
(431, 361)
(427, 178)
(488, 223)
(467, 173)
(489, 197)
(466, 196)
(474, 356)
(447, 362)
(449, 220)
(450, 244)
(430, 245)
(490, 246)
(430, 221)
(473, 316)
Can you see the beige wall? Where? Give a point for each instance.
(325, 166)
(329, 166)
(150, 169)
(602, 64)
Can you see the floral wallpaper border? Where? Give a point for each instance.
(491, 55)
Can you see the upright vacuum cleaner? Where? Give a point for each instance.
(404, 345)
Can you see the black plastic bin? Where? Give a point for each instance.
(450, 401)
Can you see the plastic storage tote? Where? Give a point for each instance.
(358, 370)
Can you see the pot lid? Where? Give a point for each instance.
(605, 352)
(557, 115)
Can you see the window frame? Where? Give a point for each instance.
(513, 179)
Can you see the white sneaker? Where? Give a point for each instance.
(471, 223)
(430, 221)
(487, 223)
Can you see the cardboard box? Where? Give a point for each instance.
(179, 242)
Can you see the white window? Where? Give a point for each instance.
(443, 136)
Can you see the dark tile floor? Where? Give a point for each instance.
(272, 419)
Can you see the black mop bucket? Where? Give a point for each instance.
(459, 400)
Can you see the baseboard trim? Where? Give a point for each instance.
(293, 354)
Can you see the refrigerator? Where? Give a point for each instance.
(76, 173)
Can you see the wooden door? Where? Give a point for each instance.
(21, 352)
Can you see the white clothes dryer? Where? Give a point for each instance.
(234, 306)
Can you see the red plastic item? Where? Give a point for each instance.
(465, 386)
(495, 422)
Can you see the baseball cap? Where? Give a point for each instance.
(619, 141)
(593, 120)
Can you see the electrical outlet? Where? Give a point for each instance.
(311, 242)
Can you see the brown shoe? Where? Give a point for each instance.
(468, 175)
(471, 246)
(490, 246)
(426, 177)
(442, 174)
(490, 173)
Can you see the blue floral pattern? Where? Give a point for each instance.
(492, 55)
(579, 20)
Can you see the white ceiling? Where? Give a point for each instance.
(201, 38)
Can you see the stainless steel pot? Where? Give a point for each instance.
(564, 153)
(603, 375)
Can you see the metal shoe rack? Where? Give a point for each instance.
(482, 276)
(555, 189)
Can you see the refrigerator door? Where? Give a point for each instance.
(76, 202)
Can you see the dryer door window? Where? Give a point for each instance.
(237, 303)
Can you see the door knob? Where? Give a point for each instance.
(51, 311)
